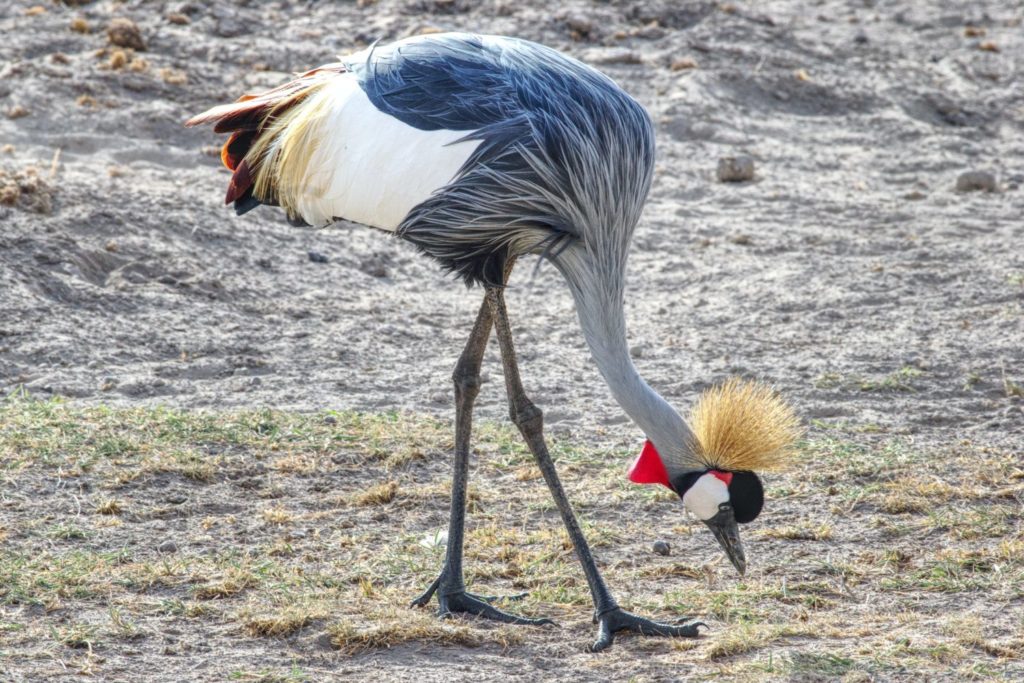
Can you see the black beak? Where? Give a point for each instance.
(723, 526)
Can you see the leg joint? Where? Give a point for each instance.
(466, 379)
(527, 416)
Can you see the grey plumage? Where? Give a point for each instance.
(563, 170)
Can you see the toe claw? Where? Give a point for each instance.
(616, 620)
(605, 638)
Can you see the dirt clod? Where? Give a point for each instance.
(683, 63)
(26, 190)
(735, 169)
(976, 181)
(118, 58)
(124, 32)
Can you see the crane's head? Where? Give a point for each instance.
(738, 427)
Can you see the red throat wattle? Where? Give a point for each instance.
(648, 467)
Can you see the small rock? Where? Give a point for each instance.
(229, 27)
(125, 33)
(683, 63)
(178, 18)
(374, 267)
(638, 350)
(612, 55)
(661, 548)
(735, 169)
(17, 111)
(167, 547)
(861, 38)
(580, 24)
(317, 257)
(976, 181)
(649, 32)
(330, 420)
(177, 498)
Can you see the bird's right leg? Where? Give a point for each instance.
(449, 586)
(609, 617)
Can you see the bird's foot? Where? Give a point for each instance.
(614, 620)
(479, 605)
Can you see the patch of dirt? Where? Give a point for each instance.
(286, 547)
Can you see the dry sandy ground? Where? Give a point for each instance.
(849, 272)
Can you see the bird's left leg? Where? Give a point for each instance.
(451, 591)
(528, 418)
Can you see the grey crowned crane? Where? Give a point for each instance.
(479, 150)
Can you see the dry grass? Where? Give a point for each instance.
(303, 537)
(818, 532)
(387, 631)
(378, 495)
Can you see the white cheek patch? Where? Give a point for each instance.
(704, 497)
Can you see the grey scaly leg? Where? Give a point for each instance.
(449, 586)
(529, 419)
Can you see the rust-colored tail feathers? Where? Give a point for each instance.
(249, 120)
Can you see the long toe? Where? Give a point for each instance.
(470, 604)
(648, 627)
(617, 620)
(515, 597)
(424, 597)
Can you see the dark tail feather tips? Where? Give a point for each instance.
(241, 183)
(245, 204)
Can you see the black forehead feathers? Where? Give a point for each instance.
(746, 495)
(683, 483)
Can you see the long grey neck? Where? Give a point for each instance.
(602, 318)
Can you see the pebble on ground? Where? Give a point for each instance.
(735, 169)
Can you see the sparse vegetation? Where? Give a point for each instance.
(340, 565)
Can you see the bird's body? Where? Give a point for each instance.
(478, 150)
